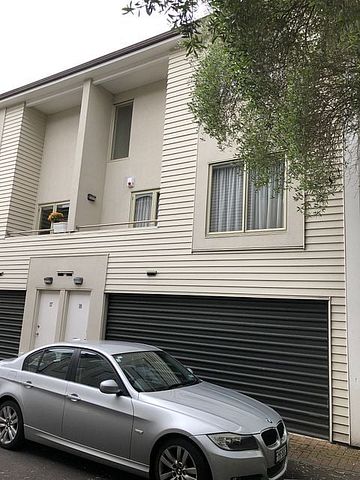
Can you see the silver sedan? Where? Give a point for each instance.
(136, 407)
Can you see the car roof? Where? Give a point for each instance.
(109, 347)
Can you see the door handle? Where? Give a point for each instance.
(73, 397)
(28, 384)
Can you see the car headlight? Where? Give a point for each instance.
(234, 442)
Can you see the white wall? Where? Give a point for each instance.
(58, 157)
(291, 236)
(144, 161)
(314, 272)
(21, 152)
(93, 271)
(352, 236)
(2, 120)
(91, 155)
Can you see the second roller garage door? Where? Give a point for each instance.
(11, 317)
(274, 350)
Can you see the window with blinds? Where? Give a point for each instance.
(236, 205)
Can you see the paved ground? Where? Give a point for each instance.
(310, 459)
(315, 459)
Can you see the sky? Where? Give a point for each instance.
(42, 37)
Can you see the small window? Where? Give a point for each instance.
(236, 205)
(31, 363)
(55, 362)
(46, 210)
(122, 129)
(145, 207)
(93, 369)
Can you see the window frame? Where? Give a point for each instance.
(54, 206)
(154, 208)
(130, 101)
(75, 365)
(33, 354)
(42, 352)
(245, 206)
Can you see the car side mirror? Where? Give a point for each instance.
(110, 387)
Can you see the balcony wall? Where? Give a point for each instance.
(58, 157)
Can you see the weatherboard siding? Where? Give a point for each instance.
(20, 163)
(315, 272)
(27, 171)
(10, 137)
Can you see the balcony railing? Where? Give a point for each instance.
(78, 228)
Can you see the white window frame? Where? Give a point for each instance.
(111, 157)
(154, 206)
(244, 230)
(54, 207)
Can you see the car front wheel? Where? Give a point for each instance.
(179, 459)
(11, 425)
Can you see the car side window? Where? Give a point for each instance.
(93, 369)
(55, 362)
(31, 362)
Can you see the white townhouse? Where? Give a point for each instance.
(165, 241)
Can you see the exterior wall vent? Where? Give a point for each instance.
(65, 273)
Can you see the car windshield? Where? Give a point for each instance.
(153, 371)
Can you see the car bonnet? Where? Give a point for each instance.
(220, 407)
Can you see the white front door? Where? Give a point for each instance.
(48, 307)
(77, 316)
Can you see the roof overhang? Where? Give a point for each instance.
(131, 67)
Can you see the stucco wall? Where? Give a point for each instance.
(144, 161)
(90, 156)
(58, 157)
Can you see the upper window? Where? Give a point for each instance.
(236, 205)
(93, 369)
(145, 208)
(46, 210)
(53, 362)
(122, 129)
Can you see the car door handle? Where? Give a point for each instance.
(73, 397)
(28, 384)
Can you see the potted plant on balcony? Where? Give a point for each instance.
(58, 225)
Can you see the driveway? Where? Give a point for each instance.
(36, 462)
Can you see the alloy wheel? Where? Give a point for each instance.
(176, 463)
(9, 425)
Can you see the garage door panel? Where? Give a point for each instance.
(11, 315)
(272, 349)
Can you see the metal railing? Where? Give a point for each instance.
(78, 228)
(140, 223)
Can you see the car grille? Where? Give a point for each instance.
(269, 436)
(273, 471)
(281, 429)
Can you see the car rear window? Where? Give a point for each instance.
(52, 362)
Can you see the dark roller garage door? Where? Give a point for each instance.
(272, 349)
(11, 316)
